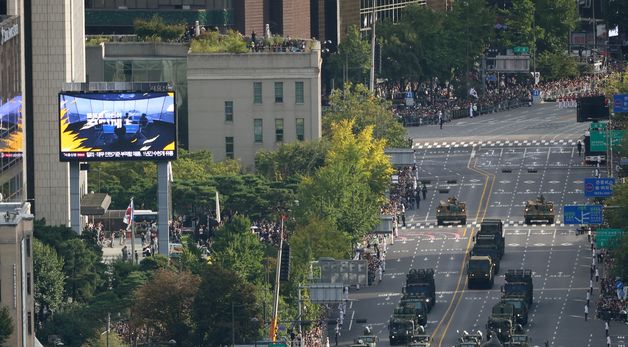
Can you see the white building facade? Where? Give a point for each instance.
(242, 103)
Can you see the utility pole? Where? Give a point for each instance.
(274, 322)
(372, 77)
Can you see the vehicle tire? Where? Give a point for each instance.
(439, 222)
(463, 221)
(551, 220)
(527, 221)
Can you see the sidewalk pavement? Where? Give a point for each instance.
(109, 254)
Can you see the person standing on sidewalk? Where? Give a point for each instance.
(606, 327)
(424, 191)
(597, 275)
(586, 312)
(588, 298)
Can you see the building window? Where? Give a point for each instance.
(257, 130)
(229, 147)
(298, 93)
(29, 317)
(228, 111)
(278, 92)
(300, 129)
(28, 246)
(257, 92)
(279, 130)
(28, 283)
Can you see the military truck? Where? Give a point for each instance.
(519, 340)
(518, 291)
(401, 330)
(473, 339)
(539, 210)
(492, 232)
(366, 340)
(420, 283)
(480, 272)
(489, 250)
(414, 310)
(519, 283)
(501, 322)
(421, 340)
(451, 210)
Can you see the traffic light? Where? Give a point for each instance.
(285, 263)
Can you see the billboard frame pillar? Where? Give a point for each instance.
(163, 203)
(75, 197)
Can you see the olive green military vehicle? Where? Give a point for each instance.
(539, 210)
(501, 322)
(421, 341)
(451, 210)
(519, 340)
(472, 339)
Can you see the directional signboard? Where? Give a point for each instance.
(620, 103)
(599, 140)
(582, 214)
(605, 238)
(598, 187)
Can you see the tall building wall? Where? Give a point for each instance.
(249, 16)
(296, 18)
(58, 56)
(16, 271)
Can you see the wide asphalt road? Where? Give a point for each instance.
(466, 160)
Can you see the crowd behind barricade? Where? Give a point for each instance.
(417, 104)
(612, 304)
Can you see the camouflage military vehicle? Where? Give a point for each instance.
(539, 210)
(518, 340)
(451, 211)
(421, 341)
(501, 322)
(473, 339)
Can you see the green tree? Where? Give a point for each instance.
(81, 270)
(468, 29)
(48, 279)
(349, 189)
(554, 66)
(6, 325)
(163, 306)
(616, 216)
(356, 103)
(414, 48)
(519, 19)
(353, 58)
(314, 239)
(555, 18)
(157, 29)
(239, 250)
(291, 160)
(222, 297)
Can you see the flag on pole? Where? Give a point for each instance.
(217, 208)
(128, 215)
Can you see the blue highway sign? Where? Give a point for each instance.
(582, 214)
(620, 103)
(598, 187)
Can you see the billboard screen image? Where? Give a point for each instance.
(117, 126)
(11, 135)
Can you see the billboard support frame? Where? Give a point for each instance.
(75, 197)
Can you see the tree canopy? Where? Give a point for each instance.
(48, 278)
(349, 189)
(358, 104)
(6, 325)
(352, 60)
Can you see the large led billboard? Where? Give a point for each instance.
(117, 126)
(592, 108)
(11, 135)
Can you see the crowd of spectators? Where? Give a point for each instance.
(612, 304)
(268, 231)
(423, 103)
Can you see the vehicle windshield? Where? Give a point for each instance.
(478, 266)
(516, 303)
